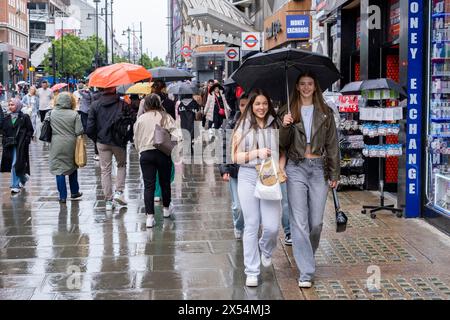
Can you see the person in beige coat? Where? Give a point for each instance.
(217, 108)
(152, 160)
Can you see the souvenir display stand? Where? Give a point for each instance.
(380, 116)
(353, 171)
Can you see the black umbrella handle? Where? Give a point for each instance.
(337, 205)
(288, 98)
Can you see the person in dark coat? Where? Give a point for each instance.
(159, 88)
(187, 109)
(103, 114)
(229, 171)
(17, 132)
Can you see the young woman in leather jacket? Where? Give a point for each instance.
(309, 137)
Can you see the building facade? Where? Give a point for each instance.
(13, 42)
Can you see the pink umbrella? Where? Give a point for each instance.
(58, 86)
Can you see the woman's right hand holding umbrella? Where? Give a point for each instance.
(288, 120)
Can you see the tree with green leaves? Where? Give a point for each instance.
(79, 56)
(148, 63)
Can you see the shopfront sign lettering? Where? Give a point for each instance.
(413, 132)
(274, 30)
(298, 26)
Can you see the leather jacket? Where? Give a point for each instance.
(324, 141)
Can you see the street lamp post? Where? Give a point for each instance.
(96, 32)
(62, 48)
(129, 31)
(106, 31)
(112, 32)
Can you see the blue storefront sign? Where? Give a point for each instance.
(414, 114)
(298, 26)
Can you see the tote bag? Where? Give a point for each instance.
(267, 184)
(163, 139)
(80, 152)
(46, 131)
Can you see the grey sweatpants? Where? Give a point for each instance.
(307, 194)
(257, 212)
(106, 152)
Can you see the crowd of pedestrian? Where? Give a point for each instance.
(297, 142)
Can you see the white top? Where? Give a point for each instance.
(307, 116)
(45, 98)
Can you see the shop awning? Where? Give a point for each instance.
(218, 16)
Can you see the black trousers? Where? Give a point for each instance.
(84, 119)
(152, 162)
(43, 113)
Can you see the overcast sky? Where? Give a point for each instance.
(153, 15)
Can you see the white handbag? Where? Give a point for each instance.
(268, 192)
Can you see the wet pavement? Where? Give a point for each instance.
(78, 251)
(383, 259)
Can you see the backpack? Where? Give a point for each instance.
(122, 128)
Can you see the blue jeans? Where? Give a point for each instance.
(286, 210)
(62, 188)
(15, 179)
(238, 217)
(307, 191)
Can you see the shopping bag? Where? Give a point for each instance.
(46, 131)
(163, 140)
(267, 184)
(341, 217)
(80, 152)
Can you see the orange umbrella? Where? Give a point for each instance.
(118, 74)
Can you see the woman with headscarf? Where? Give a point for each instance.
(17, 133)
(66, 127)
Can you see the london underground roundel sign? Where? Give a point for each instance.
(186, 51)
(232, 54)
(251, 41)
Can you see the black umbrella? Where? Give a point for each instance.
(383, 84)
(122, 89)
(352, 88)
(275, 70)
(182, 88)
(169, 74)
(229, 82)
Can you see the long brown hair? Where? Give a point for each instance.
(248, 112)
(296, 98)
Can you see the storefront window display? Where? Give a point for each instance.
(438, 173)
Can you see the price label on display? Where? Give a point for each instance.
(348, 104)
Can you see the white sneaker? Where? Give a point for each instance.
(266, 262)
(109, 205)
(238, 234)
(252, 281)
(167, 212)
(15, 191)
(120, 198)
(157, 199)
(305, 284)
(150, 221)
(96, 157)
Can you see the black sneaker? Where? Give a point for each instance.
(77, 196)
(288, 240)
(62, 201)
